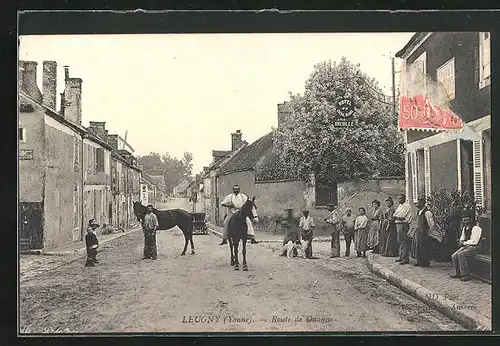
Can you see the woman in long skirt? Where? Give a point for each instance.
(361, 233)
(389, 234)
(374, 228)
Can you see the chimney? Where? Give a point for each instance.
(72, 98)
(282, 114)
(99, 128)
(235, 140)
(49, 86)
(27, 76)
(113, 141)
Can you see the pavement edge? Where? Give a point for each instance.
(467, 319)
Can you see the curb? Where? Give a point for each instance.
(83, 249)
(219, 234)
(467, 319)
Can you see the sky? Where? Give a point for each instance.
(188, 92)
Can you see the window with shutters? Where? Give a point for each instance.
(446, 77)
(478, 172)
(22, 133)
(427, 171)
(99, 159)
(77, 155)
(484, 59)
(76, 209)
(414, 176)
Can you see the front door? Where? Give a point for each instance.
(30, 225)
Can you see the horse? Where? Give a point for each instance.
(238, 230)
(168, 219)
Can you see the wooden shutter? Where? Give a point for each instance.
(427, 171)
(414, 177)
(100, 159)
(477, 154)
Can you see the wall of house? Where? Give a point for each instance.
(378, 189)
(443, 163)
(63, 188)
(32, 172)
(470, 102)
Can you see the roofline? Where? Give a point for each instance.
(53, 114)
(415, 41)
(237, 151)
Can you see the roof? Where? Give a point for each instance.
(269, 168)
(414, 41)
(158, 179)
(247, 158)
(181, 181)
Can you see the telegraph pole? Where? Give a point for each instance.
(393, 88)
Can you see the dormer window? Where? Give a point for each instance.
(484, 59)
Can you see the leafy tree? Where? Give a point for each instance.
(172, 168)
(308, 142)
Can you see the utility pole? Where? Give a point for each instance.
(393, 88)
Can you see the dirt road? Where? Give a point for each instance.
(202, 292)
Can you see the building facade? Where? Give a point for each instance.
(456, 65)
(65, 169)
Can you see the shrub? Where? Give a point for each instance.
(448, 208)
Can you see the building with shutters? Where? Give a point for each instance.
(65, 168)
(457, 64)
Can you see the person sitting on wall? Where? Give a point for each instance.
(469, 246)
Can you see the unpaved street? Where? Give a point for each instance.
(203, 293)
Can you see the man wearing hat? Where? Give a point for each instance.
(233, 202)
(347, 227)
(150, 226)
(91, 243)
(334, 219)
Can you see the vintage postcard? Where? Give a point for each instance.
(265, 182)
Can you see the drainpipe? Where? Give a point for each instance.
(82, 169)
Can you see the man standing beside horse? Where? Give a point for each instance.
(150, 226)
(233, 202)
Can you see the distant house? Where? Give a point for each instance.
(159, 181)
(180, 188)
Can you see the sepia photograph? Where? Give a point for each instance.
(254, 182)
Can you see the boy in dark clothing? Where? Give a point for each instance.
(92, 244)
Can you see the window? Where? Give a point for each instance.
(77, 155)
(22, 134)
(100, 160)
(484, 59)
(76, 214)
(446, 77)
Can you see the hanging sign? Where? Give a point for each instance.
(345, 111)
(25, 154)
(418, 113)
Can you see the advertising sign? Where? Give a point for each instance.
(418, 113)
(345, 111)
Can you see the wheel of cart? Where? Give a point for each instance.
(199, 223)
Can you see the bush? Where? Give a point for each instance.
(448, 208)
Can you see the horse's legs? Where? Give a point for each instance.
(185, 244)
(236, 262)
(192, 245)
(244, 252)
(230, 242)
(190, 232)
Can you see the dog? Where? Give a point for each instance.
(298, 245)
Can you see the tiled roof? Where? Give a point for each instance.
(158, 179)
(247, 157)
(270, 169)
(411, 43)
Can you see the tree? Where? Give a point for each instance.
(172, 168)
(310, 143)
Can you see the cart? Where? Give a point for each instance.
(199, 223)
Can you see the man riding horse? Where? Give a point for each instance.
(233, 202)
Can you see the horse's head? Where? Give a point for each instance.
(139, 210)
(249, 209)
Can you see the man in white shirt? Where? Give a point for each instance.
(402, 219)
(233, 202)
(306, 226)
(334, 219)
(469, 246)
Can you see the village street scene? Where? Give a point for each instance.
(255, 183)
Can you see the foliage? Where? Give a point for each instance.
(172, 168)
(309, 142)
(448, 208)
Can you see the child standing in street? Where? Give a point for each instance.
(92, 244)
(306, 226)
